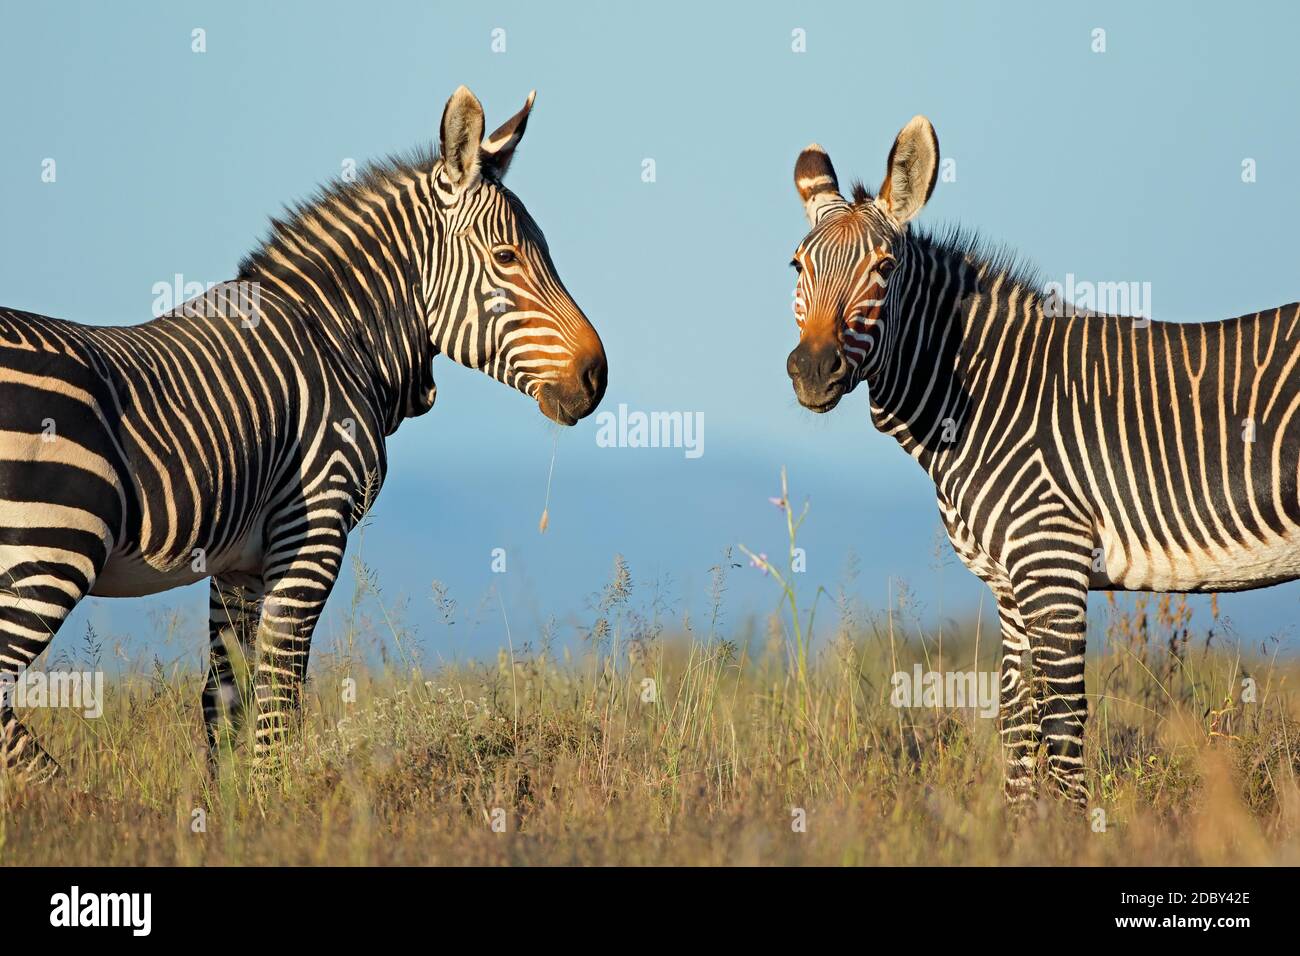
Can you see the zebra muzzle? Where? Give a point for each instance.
(577, 395)
(819, 374)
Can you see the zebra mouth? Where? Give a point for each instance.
(557, 414)
(821, 400)
(821, 408)
(553, 408)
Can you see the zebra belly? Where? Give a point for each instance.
(1231, 567)
(130, 575)
(133, 575)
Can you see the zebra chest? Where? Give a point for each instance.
(967, 545)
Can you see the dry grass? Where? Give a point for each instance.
(582, 768)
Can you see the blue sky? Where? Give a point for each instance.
(1117, 166)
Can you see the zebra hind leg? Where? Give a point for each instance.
(35, 599)
(233, 610)
(21, 757)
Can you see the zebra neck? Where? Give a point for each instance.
(944, 325)
(349, 267)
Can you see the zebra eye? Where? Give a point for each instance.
(795, 264)
(884, 267)
(505, 256)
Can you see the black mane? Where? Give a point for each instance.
(959, 241)
(991, 259)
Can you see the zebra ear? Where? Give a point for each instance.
(913, 168)
(462, 135)
(499, 148)
(814, 177)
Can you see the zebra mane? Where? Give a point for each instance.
(372, 176)
(957, 241)
(991, 259)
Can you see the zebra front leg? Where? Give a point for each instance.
(1017, 717)
(233, 611)
(297, 588)
(1055, 608)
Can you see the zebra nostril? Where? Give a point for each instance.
(793, 364)
(831, 367)
(591, 373)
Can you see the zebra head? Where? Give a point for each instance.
(852, 264)
(498, 304)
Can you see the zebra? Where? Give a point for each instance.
(241, 437)
(1069, 451)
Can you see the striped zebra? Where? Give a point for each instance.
(1069, 451)
(240, 437)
